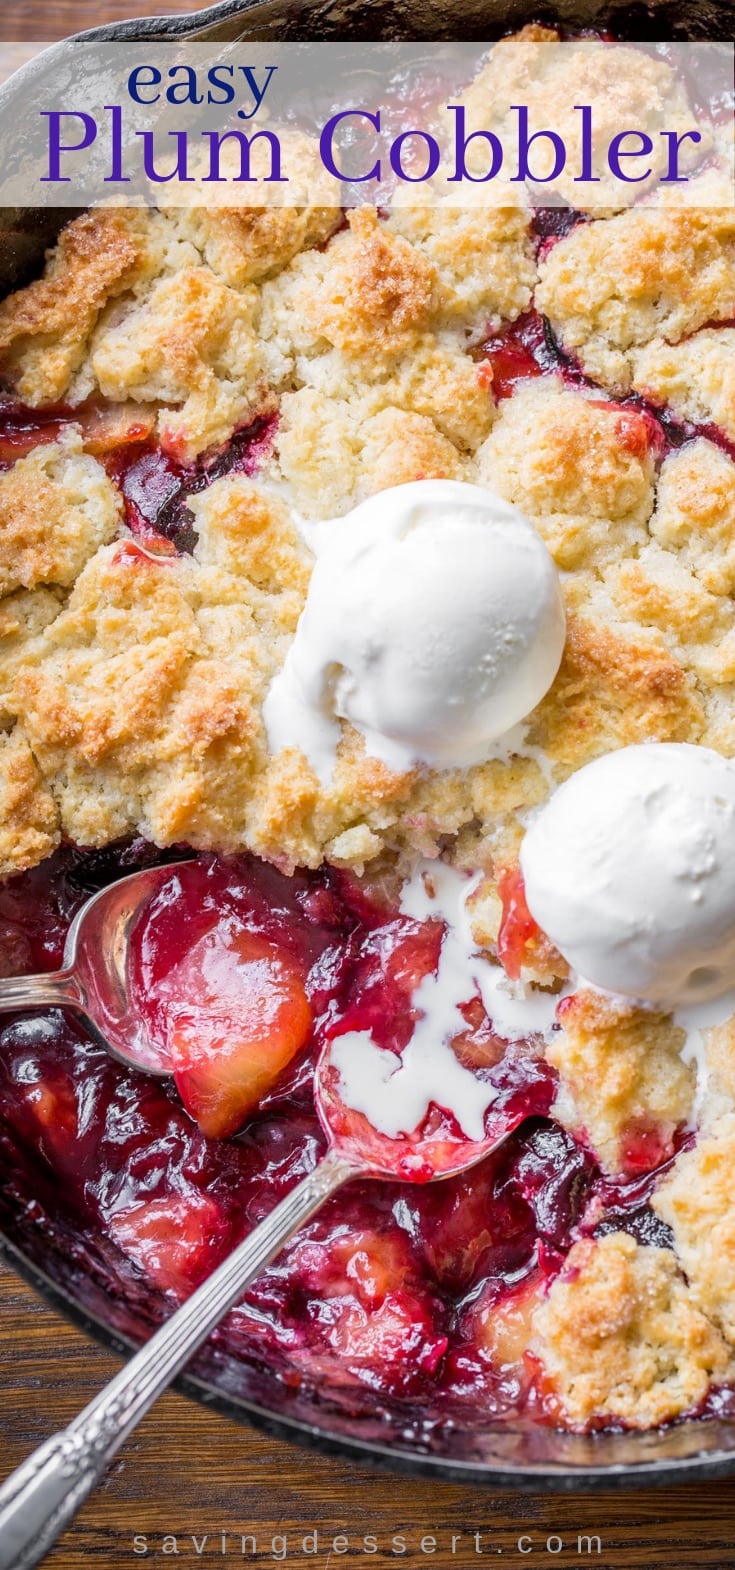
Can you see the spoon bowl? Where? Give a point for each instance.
(94, 978)
(431, 1153)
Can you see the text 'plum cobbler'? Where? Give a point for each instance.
(334, 547)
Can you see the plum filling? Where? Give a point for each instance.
(156, 486)
(22, 428)
(528, 349)
(421, 1293)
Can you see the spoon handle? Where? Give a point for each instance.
(39, 1499)
(57, 989)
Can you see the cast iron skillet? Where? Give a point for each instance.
(73, 1269)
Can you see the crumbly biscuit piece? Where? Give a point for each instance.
(335, 452)
(716, 1096)
(676, 587)
(367, 315)
(191, 344)
(696, 1200)
(611, 690)
(719, 731)
(244, 245)
(342, 437)
(580, 468)
(368, 293)
(44, 329)
(717, 1088)
(482, 256)
(367, 808)
(57, 507)
(699, 627)
(614, 285)
(399, 446)
(370, 332)
(439, 381)
(622, 85)
(695, 513)
(143, 697)
(621, 1336)
(623, 1085)
(655, 601)
(29, 821)
(615, 687)
(247, 243)
(695, 378)
(112, 253)
(24, 617)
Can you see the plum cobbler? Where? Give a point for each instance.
(189, 395)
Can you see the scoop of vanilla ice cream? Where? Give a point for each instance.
(630, 870)
(434, 623)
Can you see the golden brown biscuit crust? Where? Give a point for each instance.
(624, 1088)
(582, 468)
(44, 328)
(696, 1199)
(616, 285)
(143, 695)
(57, 507)
(29, 821)
(621, 1336)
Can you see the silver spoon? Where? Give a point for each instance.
(93, 980)
(42, 1496)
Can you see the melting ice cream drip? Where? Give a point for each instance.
(395, 1093)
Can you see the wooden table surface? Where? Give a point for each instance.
(189, 1476)
(189, 1473)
